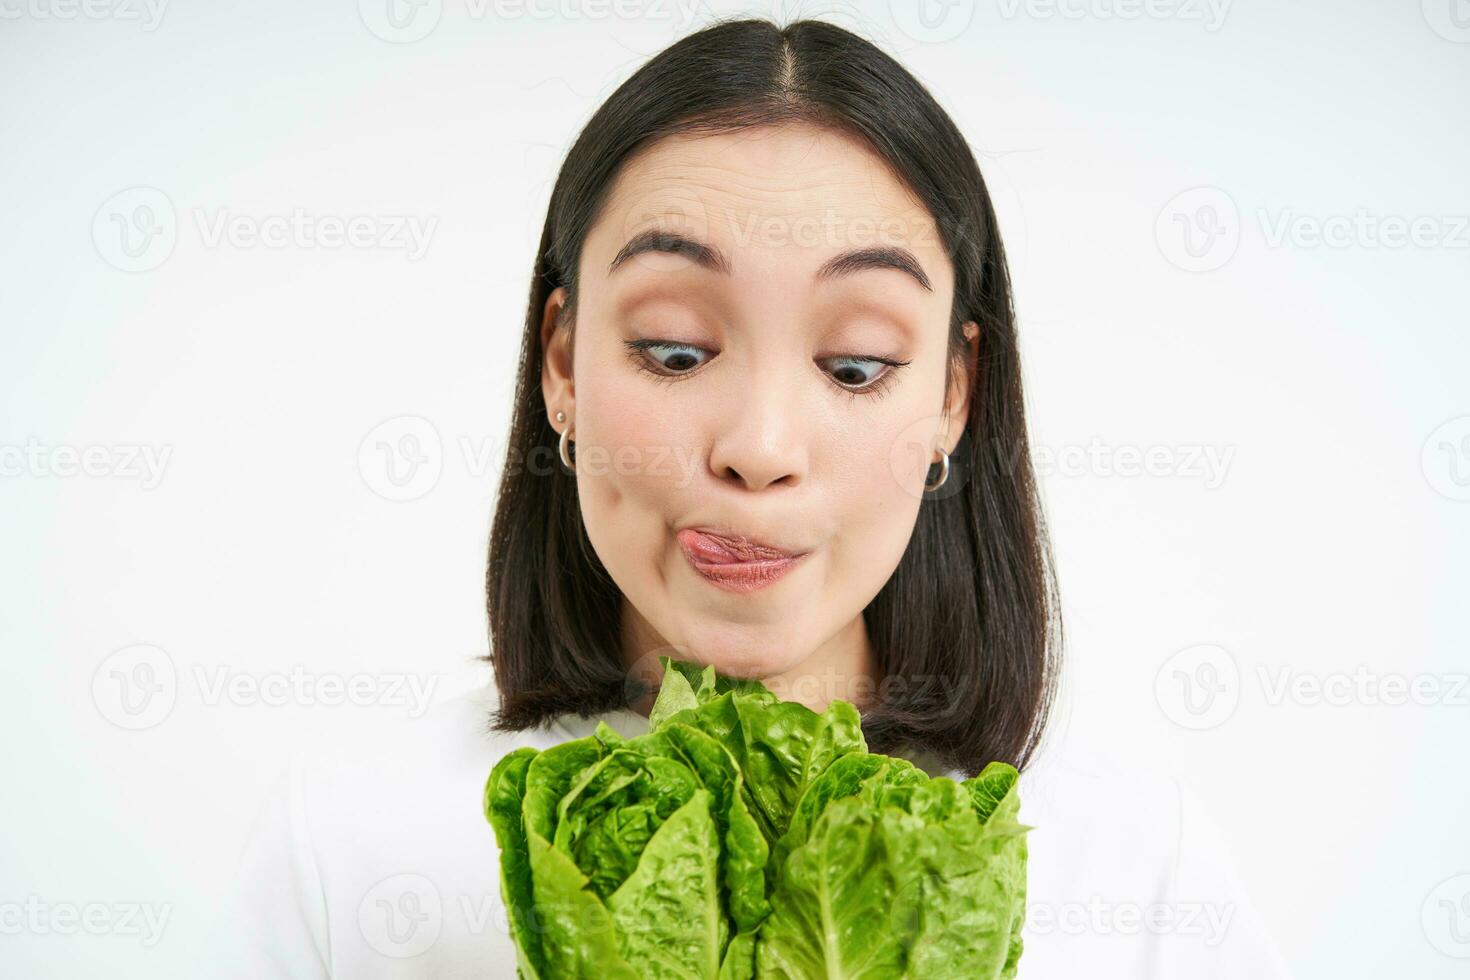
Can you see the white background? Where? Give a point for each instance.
(1326, 544)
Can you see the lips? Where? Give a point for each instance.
(721, 548)
(733, 562)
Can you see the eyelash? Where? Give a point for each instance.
(877, 388)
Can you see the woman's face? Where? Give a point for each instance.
(734, 375)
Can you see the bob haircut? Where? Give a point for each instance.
(968, 624)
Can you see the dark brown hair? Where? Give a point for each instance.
(970, 617)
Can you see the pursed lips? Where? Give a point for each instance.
(711, 547)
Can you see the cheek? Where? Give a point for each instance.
(632, 460)
(872, 506)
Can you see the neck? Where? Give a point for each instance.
(843, 668)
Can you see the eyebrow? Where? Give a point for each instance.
(711, 258)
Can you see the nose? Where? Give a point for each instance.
(761, 439)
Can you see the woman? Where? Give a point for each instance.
(769, 417)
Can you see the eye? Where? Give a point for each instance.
(851, 374)
(672, 358)
(863, 375)
(856, 372)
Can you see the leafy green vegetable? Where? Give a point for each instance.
(667, 913)
(744, 837)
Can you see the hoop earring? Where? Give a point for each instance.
(560, 448)
(943, 472)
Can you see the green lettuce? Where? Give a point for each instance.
(746, 837)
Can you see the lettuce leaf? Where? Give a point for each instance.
(503, 794)
(779, 746)
(886, 872)
(667, 914)
(745, 837)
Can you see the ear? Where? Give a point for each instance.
(961, 383)
(556, 360)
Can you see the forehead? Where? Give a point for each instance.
(772, 199)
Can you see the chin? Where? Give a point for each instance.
(749, 665)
